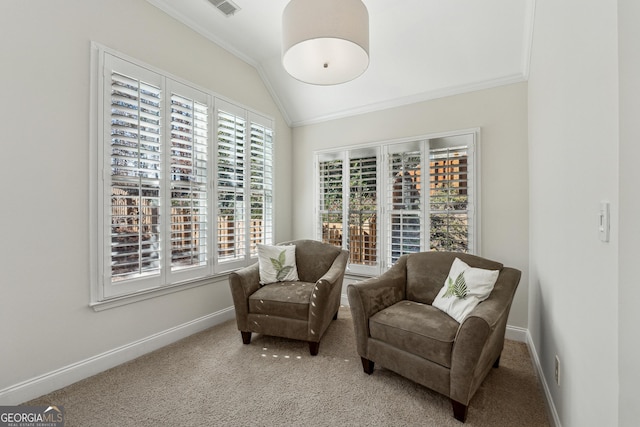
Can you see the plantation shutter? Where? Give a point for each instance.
(363, 207)
(231, 185)
(188, 178)
(172, 204)
(261, 186)
(451, 194)
(404, 200)
(330, 175)
(135, 158)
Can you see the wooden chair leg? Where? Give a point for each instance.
(313, 348)
(246, 337)
(459, 411)
(367, 365)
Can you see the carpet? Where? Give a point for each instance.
(212, 379)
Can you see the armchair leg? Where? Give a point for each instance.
(367, 365)
(313, 348)
(459, 411)
(246, 337)
(496, 364)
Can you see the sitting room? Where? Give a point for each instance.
(497, 133)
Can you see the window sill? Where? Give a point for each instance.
(152, 293)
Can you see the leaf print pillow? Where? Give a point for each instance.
(464, 289)
(277, 263)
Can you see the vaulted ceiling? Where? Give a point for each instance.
(419, 50)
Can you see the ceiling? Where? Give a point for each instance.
(419, 50)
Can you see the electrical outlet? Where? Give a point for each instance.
(557, 370)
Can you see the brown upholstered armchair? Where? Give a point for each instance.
(397, 327)
(300, 310)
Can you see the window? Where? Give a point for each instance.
(184, 181)
(384, 184)
(331, 189)
(244, 185)
(405, 206)
(363, 207)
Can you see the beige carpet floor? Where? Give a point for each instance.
(212, 379)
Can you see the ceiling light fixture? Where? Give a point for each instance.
(325, 42)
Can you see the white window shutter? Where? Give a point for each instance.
(404, 203)
(231, 186)
(261, 186)
(451, 194)
(135, 157)
(188, 181)
(156, 165)
(363, 208)
(330, 211)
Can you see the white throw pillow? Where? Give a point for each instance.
(277, 263)
(464, 289)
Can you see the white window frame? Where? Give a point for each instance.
(384, 149)
(105, 294)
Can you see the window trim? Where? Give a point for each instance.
(383, 148)
(97, 173)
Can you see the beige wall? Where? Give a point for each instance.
(629, 315)
(574, 166)
(45, 320)
(501, 113)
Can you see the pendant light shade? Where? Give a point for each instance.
(325, 42)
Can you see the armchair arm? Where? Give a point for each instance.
(322, 297)
(480, 338)
(336, 271)
(368, 297)
(243, 283)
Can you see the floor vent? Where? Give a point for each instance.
(225, 6)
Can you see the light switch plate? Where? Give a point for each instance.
(604, 222)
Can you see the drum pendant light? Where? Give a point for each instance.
(325, 42)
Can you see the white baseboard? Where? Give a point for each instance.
(551, 407)
(516, 333)
(344, 300)
(54, 380)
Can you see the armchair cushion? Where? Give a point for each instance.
(284, 299)
(277, 263)
(464, 289)
(416, 328)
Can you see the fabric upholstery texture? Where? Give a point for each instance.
(300, 309)
(397, 327)
(285, 299)
(417, 328)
